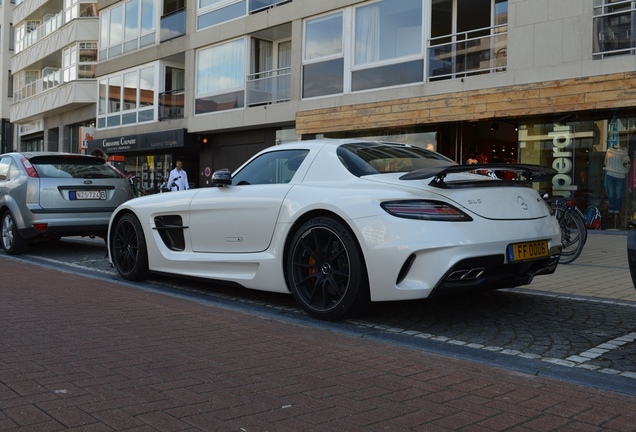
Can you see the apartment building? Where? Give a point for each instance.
(213, 81)
(53, 69)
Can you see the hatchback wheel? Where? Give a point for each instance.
(12, 241)
(128, 249)
(325, 270)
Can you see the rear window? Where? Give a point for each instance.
(375, 158)
(73, 167)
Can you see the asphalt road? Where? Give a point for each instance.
(587, 341)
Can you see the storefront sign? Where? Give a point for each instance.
(141, 142)
(562, 140)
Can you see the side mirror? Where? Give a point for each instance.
(222, 178)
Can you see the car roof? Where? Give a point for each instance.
(333, 142)
(31, 154)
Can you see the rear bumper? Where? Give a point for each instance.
(64, 231)
(491, 272)
(60, 224)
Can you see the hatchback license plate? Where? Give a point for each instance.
(87, 195)
(528, 250)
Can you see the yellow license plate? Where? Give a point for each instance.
(528, 251)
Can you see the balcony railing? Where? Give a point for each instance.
(43, 84)
(269, 87)
(88, 10)
(40, 32)
(173, 25)
(613, 29)
(171, 105)
(481, 51)
(257, 5)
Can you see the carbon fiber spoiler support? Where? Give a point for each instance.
(524, 173)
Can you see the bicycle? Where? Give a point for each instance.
(573, 228)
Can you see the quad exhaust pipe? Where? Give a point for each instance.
(466, 274)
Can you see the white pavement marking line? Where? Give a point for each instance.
(601, 349)
(76, 265)
(527, 291)
(614, 343)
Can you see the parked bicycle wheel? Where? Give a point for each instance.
(573, 234)
(561, 208)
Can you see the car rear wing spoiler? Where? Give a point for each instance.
(507, 174)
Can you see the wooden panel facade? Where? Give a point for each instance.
(562, 96)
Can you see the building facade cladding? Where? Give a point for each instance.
(495, 79)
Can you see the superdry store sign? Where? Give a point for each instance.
(142, 142)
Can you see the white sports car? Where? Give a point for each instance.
(341, 223)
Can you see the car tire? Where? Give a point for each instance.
(12, 241)
(325, 270)
(128, 250)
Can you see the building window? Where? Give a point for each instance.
(614, 27)
(213, 12)
(220, 77)
(71, 10)
(385, 48)
(26, 83)
(88, 9)
(25, 34)
(259, 5)
(173, 19)
(10, 85)
(269, 80)
(129, 97)
(127, 27)
(323, 56)
(11, 38)
(468, 37)
(87, 60)
(387, 44)
(79, 61)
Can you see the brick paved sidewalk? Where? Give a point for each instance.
(87, 354)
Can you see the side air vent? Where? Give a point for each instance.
(170, 230)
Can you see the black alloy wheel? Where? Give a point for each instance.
(128, 249)
(325, 270)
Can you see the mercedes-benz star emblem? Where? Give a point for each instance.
(522, 203)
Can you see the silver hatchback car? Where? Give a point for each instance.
(52, 195)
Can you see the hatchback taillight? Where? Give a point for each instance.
(29, 168)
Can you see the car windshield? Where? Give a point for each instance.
(374, 158)
(60, 166)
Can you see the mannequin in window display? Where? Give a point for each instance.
(617, 164)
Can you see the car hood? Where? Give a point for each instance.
(494, 199)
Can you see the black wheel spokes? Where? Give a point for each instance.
(321, 269)
(570, 235)
(126, 247)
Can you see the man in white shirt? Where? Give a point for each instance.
(178, 180)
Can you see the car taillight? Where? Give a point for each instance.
(40, 226)
(425, 210)
(29, 168)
